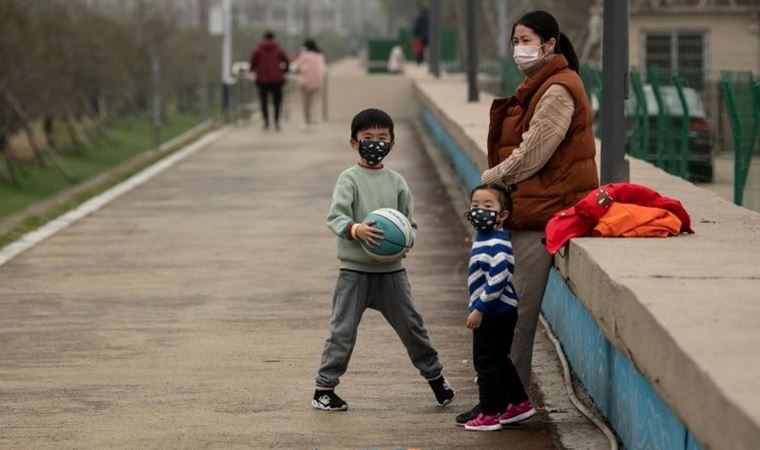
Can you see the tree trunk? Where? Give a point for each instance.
(89, 111)
(16, 106)
(48, 127)
(33, 141)
(73, 138)
(102, 109)
(13, 175)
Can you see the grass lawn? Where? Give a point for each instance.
(131, 136)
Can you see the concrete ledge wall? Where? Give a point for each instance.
(464, 123)
(683, 313)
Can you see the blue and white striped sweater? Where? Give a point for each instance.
(489, 277)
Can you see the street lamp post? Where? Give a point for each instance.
(614, 166)
(435, 38)
(155, 81)
(226, 54)
(472, 53)
(307, 19)
(502, 13)
(203, 57)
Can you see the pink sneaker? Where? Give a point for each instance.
(517, 413)
(483, 423)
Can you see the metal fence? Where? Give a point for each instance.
(741, 93)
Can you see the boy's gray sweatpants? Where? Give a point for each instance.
(388, 293)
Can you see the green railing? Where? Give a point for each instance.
(741, 95)
(682, 131)
(666, 122)
(637, 111)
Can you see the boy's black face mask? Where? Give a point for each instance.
(374, 151)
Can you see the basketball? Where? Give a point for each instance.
(398, 235)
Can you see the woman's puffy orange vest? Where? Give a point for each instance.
(571, 171)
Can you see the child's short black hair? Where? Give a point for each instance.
(502, 191)
(371, 118)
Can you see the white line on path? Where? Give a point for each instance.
(33, 238)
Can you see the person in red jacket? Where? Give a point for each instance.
(270, 63)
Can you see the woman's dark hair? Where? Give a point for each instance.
(502, 191)
(268, 35)
(311, 45)
(371, 118)
(546, 26)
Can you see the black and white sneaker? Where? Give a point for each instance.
(328, 400)
(467, 416)
(444, 394)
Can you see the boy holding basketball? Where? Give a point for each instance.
(365, 282)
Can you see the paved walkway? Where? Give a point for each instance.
(191, 312)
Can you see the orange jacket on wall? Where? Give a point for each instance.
(629, 220)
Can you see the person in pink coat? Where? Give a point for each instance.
(310, 65)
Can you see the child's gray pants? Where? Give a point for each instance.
(388, 293)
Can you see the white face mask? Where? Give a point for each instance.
(526, 55)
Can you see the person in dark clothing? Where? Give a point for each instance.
(270, 63)
(420, 38)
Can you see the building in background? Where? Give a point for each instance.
(344, 17)
(185, 12)
(698, 40)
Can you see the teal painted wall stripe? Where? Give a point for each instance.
(465, 168)
(627, 399)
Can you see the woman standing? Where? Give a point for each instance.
(541, 140)
(310, 65)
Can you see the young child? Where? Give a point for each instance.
(493, 314)
(365, 283)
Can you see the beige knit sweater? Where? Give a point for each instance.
(545, 132)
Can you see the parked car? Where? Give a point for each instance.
(701, 131)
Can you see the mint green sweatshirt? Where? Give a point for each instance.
(358, 192)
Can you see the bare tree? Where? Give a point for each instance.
(70, 65)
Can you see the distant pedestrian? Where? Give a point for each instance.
(493, 314)
(310, 66)
(420, 35)
(270, 63)
(363, 282)
(396, 59)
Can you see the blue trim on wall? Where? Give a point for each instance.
(467, 170)
(627, 399)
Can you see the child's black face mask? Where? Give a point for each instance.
(374, 151)
(482, 219)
